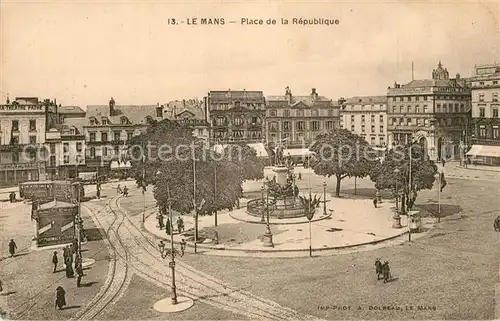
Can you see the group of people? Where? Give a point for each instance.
(123, 191)
(168, 225)
(383, 270)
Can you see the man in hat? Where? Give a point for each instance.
(12, 248)
(55, 260)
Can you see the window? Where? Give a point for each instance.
(372, 140)
(32, 125)
(315, 125)
(409, 109)
(93, 121)
(462, 108)
(373, 128)
(381, 140)
(92, 151)
(104, 137)
(409, 98)
(393, 109)
(438, 108)
(272, 113)
(129, 135)
(79, 147)
(448, 121)
(117, 136)
(329, 124)
(15, 157)
(159, 111)
(66, 159)
(417, 109)
(104, 121)
(299, 113)
(381, 118)
(52, 148)
(445, 107)
(401, 109)
(255, 121)
(238, 121)
(300, 125)
(286, 113)
(104, 151)
(426, 122)
(352, 118)
(456, 107)
(362, 118)
(286, 125)
(481, 112)
(352, 128)
(15, 125)
(495, 132)
(273, 127)
(495, 82)
(72, 131)
(362, 128)
(14, 140)
(482, 131)
(315, 113)
(116, 150)
(381, 128)
(494, 97)
(495, 112)
(408, 121)
(66, 147)
(32, 140)
(372, 118)
(419, 122)
(401, 98)
(481, 97)
(123, 120)
(425, 98)
(92, 137)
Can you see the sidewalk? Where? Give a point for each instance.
(353, 223)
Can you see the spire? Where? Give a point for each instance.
(439, 64)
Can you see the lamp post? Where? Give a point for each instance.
(268, 236)
(324, 198)
(438, 176)
(396, 218)
(263, 218)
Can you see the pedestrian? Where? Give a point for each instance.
(69, 268)
(60, 298)
(300, 176)
(12, 248)
(183, 246)
(98, 191)
(79, 272)
(72, 249)
(375, 200)
(443, 162)
(180, 224)
(119, 189)
(160, 221)
(65, 254)
(55, 260)
(168, 226)
(125, 191)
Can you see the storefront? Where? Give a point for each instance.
(13, 174)
(484, 155)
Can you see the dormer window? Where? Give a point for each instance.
(72, 131)
(93, 121)
(104, 121)
(149, 119)
(124, 120)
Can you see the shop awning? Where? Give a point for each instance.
(484, 150)
(260, 149)
(120, 165)
(297, 152)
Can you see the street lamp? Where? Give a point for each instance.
(438, 176)
(268, 236)
(324, 198)
(263, 219)
(396, 218)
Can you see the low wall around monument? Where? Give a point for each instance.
(282, 210)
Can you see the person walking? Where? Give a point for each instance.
(55, 260)
(180, 224)
(168, 226)
(98, 191)
(12, 248)
(65, 254)
(69, 268)
(375, 201)
(160, 221)
(125, 191)
(119, 189)
(79, 272)
(183, 246)
(60, 298)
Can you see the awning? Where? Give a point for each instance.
(484, 150)
(260, 149)
(297, 152)
(120, 165)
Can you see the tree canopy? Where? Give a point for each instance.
(423, 171)
(251, 167)
(342, 154)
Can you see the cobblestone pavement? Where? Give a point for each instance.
(143, 258)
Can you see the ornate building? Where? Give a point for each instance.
(235, 116)
(22, 134)
(433, 111)
(297, 120)
(367, 117)
(109, 130)
(190, 112)
(485, 138)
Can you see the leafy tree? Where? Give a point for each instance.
(251, 167)
(423, 172)
(342, 154)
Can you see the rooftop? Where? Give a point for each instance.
(236, 95)
(366, 100)
(135, 114)
(70, 110)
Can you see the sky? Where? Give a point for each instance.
(84, 52)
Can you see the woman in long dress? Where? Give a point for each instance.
(60, 297)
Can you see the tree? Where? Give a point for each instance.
(251, 167)
(423, 172)
(342, 154)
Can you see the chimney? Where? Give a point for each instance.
(314, 95)
(8, 100)
(458, 77)
(288, 94)
(111, 106)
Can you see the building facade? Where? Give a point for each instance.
(109, 130)
(485, 138)
(367, 117)
(22, 135)
(235, 116)
(190, 112)
(434, 112)
(295, 121)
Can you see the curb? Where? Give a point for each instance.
(284, 223)
(478, 169)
